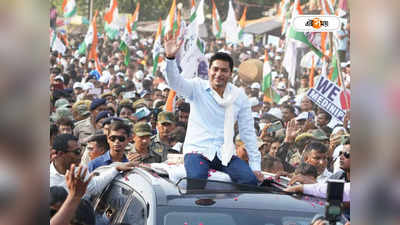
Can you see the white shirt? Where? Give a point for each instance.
(96, 185)
(205, 132)
(324, 176)
(320, 189)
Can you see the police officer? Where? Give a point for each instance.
(144, 151)
(166, 123)
(87, 127)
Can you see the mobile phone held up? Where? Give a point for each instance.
(275, 126)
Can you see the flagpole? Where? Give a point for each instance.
(340, 73)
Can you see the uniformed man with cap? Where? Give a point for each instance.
(143, 150)
(166, 123)
(87, 127)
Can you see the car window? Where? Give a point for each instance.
(136, 212)
(120, 203)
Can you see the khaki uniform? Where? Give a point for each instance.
(83, 130)
(156, 155)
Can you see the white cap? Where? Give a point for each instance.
(255, 49)
(274, 74)
(255, 85)
(139, 75)
(344, 64)
(276, 112)
(121, 74)
(140, 54)
(278, 57)
(254, 101)
(279, 50)
(82, 60)
(88, 86)
(162, 86)
(116, 68)
(304, 116)
(59, 77)
(78, 85)
(281, 86)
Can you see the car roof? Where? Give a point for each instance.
(169, 194)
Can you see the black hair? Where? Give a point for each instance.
(306, 170)
(317, 146)
(184, 107)
(101, 141)
(57, 194)
(60, 142)
(66, 122)
(328, 116)
(289, 107)
(222, 56)
(268, 162)
(118, 125)
(53, 130)
(125, 105)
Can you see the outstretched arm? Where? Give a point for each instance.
(174, 79)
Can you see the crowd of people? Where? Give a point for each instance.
(119, 115)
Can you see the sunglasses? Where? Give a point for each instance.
(115, 137)
(345, 154)
(76, 151)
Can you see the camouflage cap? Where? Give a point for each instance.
(142, 129)
(61, 103)
(166, 117)
(319, 134)
(81, 102)
(104, 95)
(62, 112)
(82, 110)
(139, 103)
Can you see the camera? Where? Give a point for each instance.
(333, 208)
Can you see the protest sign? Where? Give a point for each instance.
(330, 97)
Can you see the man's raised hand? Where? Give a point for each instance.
(171, 45)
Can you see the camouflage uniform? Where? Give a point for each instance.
(83, 130)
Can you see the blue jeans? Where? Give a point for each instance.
(197, 167)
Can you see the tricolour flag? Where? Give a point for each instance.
(200, 13)
(57, 44)
(242, 24)
(270, 94)
(69, 8)
(87, 41)
(157, 47)
(230, 26)
(110, 17)
(216, 23)
(192, 11)
(170, 21)
(93, 49)
(127, 36)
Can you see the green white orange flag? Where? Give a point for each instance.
(157, 47)
(270, 94)
(56, 44)
(93, 49)
(242, 24)
(192, 11)
(170, 21)
(216, 23)
(69, 8)
(87, 41)
(127, 35)
(230, 26)
(110, 17)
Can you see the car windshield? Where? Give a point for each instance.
(225, 216)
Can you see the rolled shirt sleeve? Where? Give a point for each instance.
(320, 190)
(248, 135)
(177, 82)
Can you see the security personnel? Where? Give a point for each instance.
(144, 151)
(87, 127)
(166, 123)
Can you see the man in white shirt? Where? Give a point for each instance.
(215, 105)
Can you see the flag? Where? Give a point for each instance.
(200, 13)
(242, 23)
(270, 94)
(127, 36)
(290, 58)
(192, 11)
(69, 8)
(285, 15)
(170, 21)
(110, 17)
(87, 41)
(93, 49)
(311, 75)
(216, 23)
(230, 27)
(157, 47)
(57, 44)
(333, 72)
